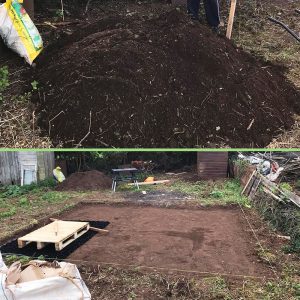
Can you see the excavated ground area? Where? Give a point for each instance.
(206, 240)
(158, 80)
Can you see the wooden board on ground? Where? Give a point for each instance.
(151, 182)
(59, 233)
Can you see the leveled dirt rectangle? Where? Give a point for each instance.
(207, 240)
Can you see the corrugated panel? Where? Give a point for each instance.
(10, 172)
(212, 165)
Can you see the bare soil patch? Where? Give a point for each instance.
(205, 240)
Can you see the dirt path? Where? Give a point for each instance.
(211, 240)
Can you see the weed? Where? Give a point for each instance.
(286, 186)
(58, 14)
(23, 259)
(53, 197)
(283, 216)
(216, 194)
(241, 166)
(218, 288)
(12, 191)
(9, 213)
(265, 255)
(131, 295)
(34, 85)
(4, 82)
(10, 259)
(22, 98)
(23, 201)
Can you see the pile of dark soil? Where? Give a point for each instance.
(158, 81)
(90, 180)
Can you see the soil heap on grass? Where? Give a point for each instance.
(159, 81)
(81, 181)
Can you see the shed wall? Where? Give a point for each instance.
(212, 165)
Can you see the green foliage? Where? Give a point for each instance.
(23, 259)
(10, 259)
(22, 98)
(241, 165)
(283, 216)
(4, 81)
(58, 13)
(218, 192)
(34, 85)
(12, 191)
(286, 186)
(8, 213)
(23, 201)
(218, 288)
(265, 255)
(53, 197)
(297, 184)
(47, 183)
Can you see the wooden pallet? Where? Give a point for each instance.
(59, 233)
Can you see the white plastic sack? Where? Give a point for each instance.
(53, 288)
(18, 31)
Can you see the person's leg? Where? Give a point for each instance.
(193, 8)
(212, 12)
(189, 7)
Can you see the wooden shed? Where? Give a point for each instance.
(25, 167)
(212, 165)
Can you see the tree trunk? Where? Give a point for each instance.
(29, 7)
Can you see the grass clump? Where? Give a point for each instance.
(54, 196)
(212, 192)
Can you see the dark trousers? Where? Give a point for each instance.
(211, 10)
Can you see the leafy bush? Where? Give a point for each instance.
(285, 217)
(12, 191)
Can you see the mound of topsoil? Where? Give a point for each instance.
(90, 180)
(159, 81)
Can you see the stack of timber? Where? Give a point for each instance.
(252, 181)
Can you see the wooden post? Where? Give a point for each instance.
(29, 7)
(231, 18)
